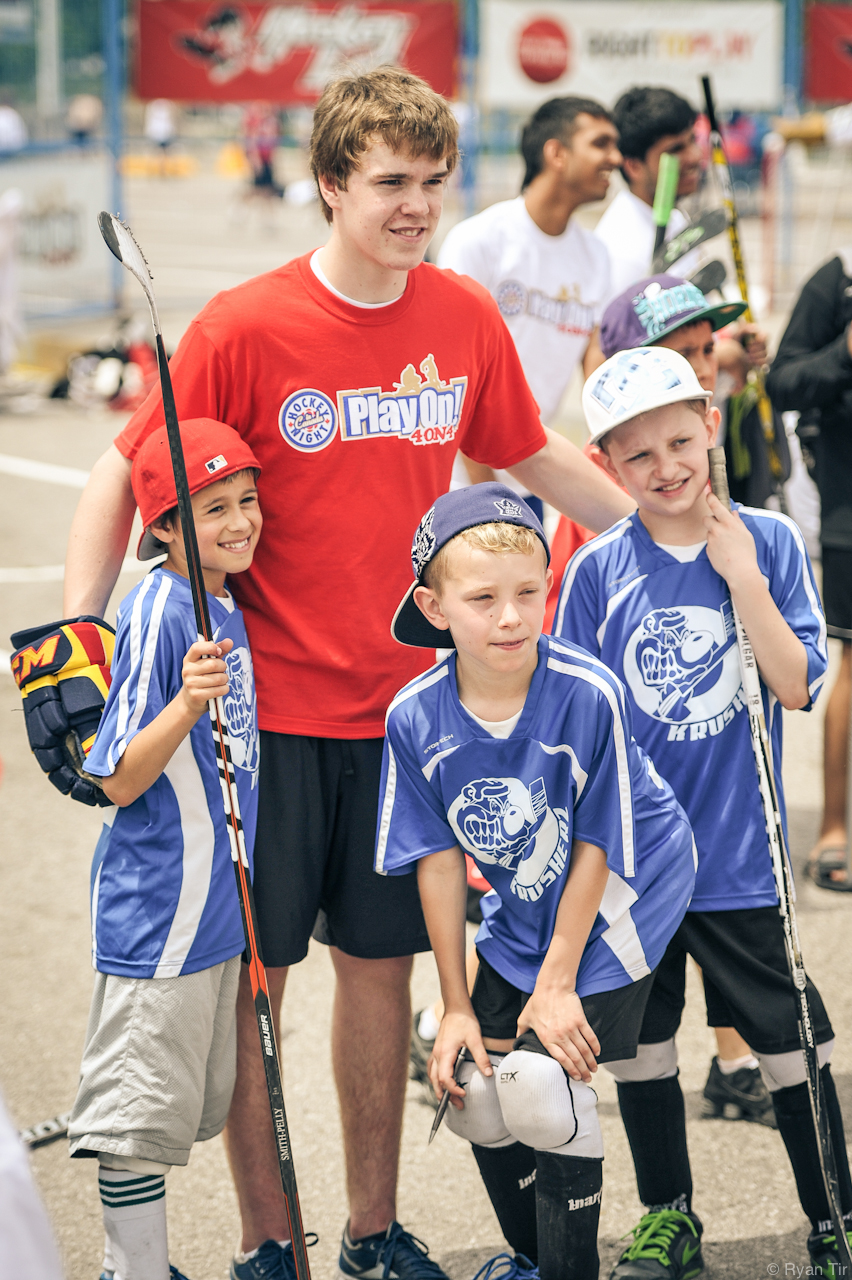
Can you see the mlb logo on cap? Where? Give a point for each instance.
(153, 480)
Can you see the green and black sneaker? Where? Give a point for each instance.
(666, 1246)
(822, 1250)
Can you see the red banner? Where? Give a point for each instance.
(828, 62)
(195, 51)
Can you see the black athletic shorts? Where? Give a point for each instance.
(747, 984)
(614, 1016)
(313, 855)
(837, 591)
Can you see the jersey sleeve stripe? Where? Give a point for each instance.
(613, 603)
(583, 655)
(198, 837)
(622, 936)
(431, 677)
(576, 768)
(622, 763)
(387, 811)
(134, 638)
(580, 556)
(808, 585)
(429, 769)
(145, 667)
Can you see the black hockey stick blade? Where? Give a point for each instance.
(712, 223)
(709, 277)
(45, 1132)
(445, 1100)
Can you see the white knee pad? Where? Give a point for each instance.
(652, 1062)
(545, 1109)
(783, 1070)
(481, 1121)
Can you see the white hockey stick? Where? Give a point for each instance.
(782, 871)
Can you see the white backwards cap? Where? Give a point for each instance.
(632, 382)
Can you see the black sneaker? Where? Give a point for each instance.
(825, 1259)
(418, 1058)
(740, 1096)
(394, 1254)
(666, 1246)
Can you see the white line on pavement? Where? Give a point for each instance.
(56, 572)
(72, 477)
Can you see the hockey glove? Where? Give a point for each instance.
(63, 672)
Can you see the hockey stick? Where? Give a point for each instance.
(707, 225)
(45, 1132)
(762, 747)
(709, 277)
(664, 198)
(120, 241)
(723, 173)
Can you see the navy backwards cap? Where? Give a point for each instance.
(653, 307)
(453, 513)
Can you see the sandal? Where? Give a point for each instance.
(821, 864)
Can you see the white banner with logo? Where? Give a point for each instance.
(531, 52)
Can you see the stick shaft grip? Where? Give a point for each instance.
(719, 475)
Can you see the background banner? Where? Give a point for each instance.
(195, 51)
(535, 51)
(828, 60)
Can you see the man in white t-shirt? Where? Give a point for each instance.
(651, 123)
(549, 277)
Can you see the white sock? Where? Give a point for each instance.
(428, 1026)
(240, 1258)
(730, 1065)
(134, 1209)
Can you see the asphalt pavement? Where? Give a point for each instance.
(744, 1190)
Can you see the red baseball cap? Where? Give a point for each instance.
(212, 450)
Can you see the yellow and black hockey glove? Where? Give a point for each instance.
(63, 672)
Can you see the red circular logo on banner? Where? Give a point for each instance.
(543, 50)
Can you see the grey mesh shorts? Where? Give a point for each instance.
(158, 1066)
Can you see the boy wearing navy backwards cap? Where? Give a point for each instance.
(160, 1057)
(652, 598)
(517, 749)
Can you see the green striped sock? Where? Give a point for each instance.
(134, 1209)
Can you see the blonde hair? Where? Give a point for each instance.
(500, 538)
(402, 109)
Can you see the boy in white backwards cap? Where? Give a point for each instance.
(652, 598)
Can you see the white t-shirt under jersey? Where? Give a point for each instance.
(551, 290)
(627, 230)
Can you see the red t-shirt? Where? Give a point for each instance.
(356, 415)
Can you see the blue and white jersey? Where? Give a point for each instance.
(667, 630)
(164, 894)
(569, 770)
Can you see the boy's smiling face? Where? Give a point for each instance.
(227, 526)
(494, 605)
(661, 460)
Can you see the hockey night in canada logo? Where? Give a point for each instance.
(683, 668)
(421, 408)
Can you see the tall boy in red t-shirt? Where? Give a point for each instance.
(354, 373)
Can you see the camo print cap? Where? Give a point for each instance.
(453, 513)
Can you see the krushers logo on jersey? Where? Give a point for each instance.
(683, 668)
(503, 821)
(423, 409)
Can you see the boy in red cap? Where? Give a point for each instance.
(160, 1057)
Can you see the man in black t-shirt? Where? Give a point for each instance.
(812, 373)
